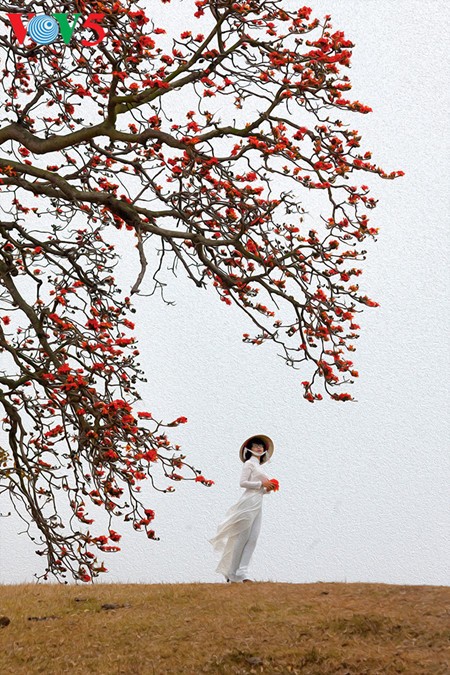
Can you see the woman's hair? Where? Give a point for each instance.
(256, 440)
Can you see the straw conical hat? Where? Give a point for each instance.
(268, 443)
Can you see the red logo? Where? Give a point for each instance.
(45, 29)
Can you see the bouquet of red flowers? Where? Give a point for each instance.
(275, 483)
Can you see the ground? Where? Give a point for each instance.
(320, 629)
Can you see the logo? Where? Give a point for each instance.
(45, 29)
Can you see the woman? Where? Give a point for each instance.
(237, 535)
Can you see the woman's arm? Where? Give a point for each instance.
(245, 475)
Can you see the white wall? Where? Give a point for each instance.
(362, 485)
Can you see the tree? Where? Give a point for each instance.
(101, 133)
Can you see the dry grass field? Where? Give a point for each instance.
(320, 629)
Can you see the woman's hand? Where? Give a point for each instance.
(267, 484)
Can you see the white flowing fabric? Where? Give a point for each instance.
(237, 535)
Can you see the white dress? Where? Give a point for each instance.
(237, 534)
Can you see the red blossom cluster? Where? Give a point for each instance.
(101, 140)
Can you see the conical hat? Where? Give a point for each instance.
(268, 443)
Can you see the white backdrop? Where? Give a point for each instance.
(362, 485)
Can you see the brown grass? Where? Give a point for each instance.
(317, 629)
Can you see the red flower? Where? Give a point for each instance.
(55, 431)
(122, 342)
(304, 12)
(179, 420)
(114, 536)
(342, 397)
(92, 323)
(205, 481)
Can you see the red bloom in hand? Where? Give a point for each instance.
(275, 483)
